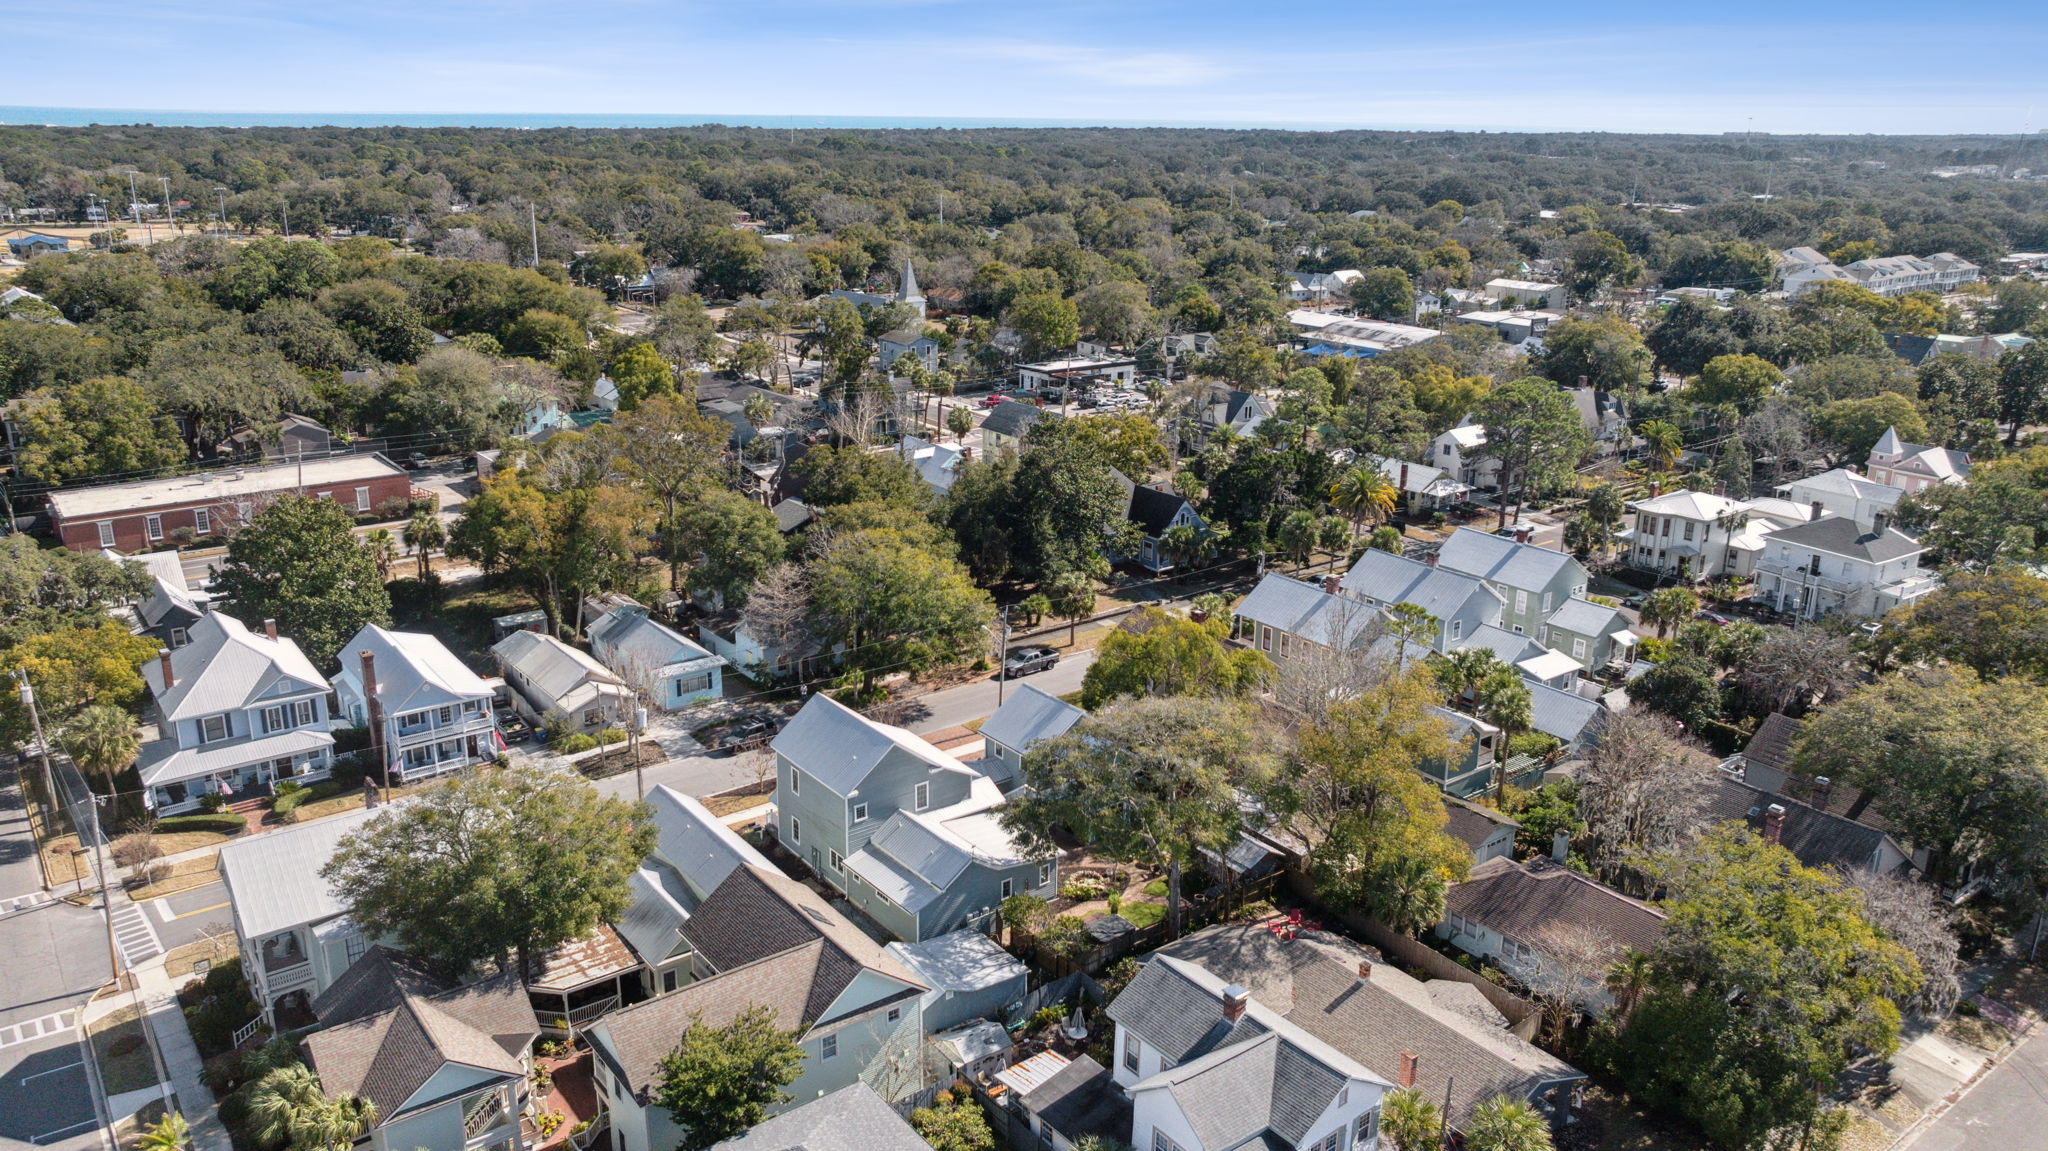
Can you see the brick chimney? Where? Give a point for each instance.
(967, 455)
(270, 628)
(1656, 488)
(1409, 1062)
(1234, 1000)
(1404, 478)
(1815, 511)
(1364, 970)
(1522, 534)
(373, 709)
(1560, 845)
(163, 660)
(1431, 559)
(1332, 582)
(1774, 823)
(1823, 790)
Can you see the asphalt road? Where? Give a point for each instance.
(957, 705)
(2006, 1108)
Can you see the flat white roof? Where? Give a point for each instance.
(218, 487)
(1078, 364)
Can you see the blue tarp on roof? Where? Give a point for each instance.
(1327, 350)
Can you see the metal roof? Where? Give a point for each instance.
(852, 1118)
(1030, 717)
(1388, 578)
(274, 881)
(226, 667)
(1498, 558)
(1586, 617)
(838, 746)
(960, 961)
(413, 670)
(1303, 609)
(173, 764)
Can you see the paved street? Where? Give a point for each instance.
(2004, 1109)
(956, 705)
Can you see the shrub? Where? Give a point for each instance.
(609, 736)
(351, 739)
(1533, 743)
(287, 803)
(1065, 937)
(136, 850)
(570, 745)
(213, 801)
(1082, 888)
(220, 823)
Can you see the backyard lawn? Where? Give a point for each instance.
(462, 619)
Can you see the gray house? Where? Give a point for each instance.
(1028, 718)
(656, 659)
(906, 831)
(767, 941)
(970, 977)
(1460, 603)
(912, 342)
(693, 854)
(1595, 635)
(1531, 581)
(850, 1119)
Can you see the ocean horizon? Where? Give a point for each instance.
(29, 115)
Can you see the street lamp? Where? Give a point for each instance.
(222, 195)
(135, 206)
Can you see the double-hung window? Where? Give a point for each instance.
(202, 521)
(274, 718)
(213, 729)
(1131, 1053)
(155, 527)
(1367, 1129)
(106, 533)
(828, 1047)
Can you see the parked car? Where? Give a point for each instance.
(748, 731)
(418, 462)
(992, 401)
(1713, 617)
(1023, 661)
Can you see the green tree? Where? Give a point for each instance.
(1594, 259)
(1742, 381)
(495, 865)
(1666, 608)
(1504, 1124)
(1373, 824)
(1767, 983)
(955, 1126)
(894, 604)
(1364, 495)
(1071, 595)
(424, 533)
(1151, 782)
(102, 738)
(2000, 516)
(1411, 1121)
(1663, 441)
(1854, 426)
(720, 1081)
(1048, 322)
(1534, 431)
(1158, 654)
(73, 669)
(167, 1134)
(380, 318)
(104, 426)
(287, 1108)
(683, 332)
(1127, 441)
(960, 421)
(1117, 312)
(1608, 354)
(1384, 294)
(849, 475)
(731, 540)
(640, 374)
(2022, 389)
(1683, 688)
(667, 450)
(1503, 698)
(299, 562)
(1995, 623)
(1543, 813)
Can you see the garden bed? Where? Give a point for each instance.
(120, 1045)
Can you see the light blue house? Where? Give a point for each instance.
(1532, 581)
(1028, 718)
(655, 659)
(971, 977)
(909, 833)
(1460, 603)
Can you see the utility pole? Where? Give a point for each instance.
(533, 228)
(135, 206)
(1002, 655)
(222, 195)
(633, 746)
(35, 715)
(284, 206)
(170, 213)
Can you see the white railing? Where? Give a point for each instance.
(248, 1030)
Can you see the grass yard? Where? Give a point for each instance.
(185, 875)
(183, 962)
(173, 843)
(121, 1048)
(1144, 914)
(463, 618)
(62, 861)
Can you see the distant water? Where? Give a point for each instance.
(80, 117)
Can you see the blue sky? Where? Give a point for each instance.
(1795, 65)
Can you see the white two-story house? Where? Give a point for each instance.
(235, 711)
(1836, 566)
(1692, 535)
(426, 711)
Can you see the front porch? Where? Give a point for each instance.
(177, 780)
(583, 980)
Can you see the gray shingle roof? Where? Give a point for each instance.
(1842, 536)
(1303, 609)
(387, 1056)
(1030, 717)
(1525, 899)
(1081, 1099)
(1584, 617)
(1153, 510)
(1012, 418)
(1472, 824)
(1818, 838)
(1502, 560)
(850, 1119)
(1391, 579)
(838, 746)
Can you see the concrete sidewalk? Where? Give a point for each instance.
(159, 992)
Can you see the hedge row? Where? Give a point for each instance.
(287, 802)
(219, 822)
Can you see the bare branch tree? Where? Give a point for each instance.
(1568, 975)
(1797, 669)
(1914, 916)
(1644, 789)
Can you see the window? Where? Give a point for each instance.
(593, 717)
(1006, 889)
(1546, 603)
(1334, 1141)
(1367, 1128)
(1131, 1054)
(446, 715)
(687, 684)
(1579, 649)
(362, 499)
(155, 527)
(273, 719)
(1688, 529)
(202, 521)
(668, 980)
(1265, 638)
(921, 796)
(895, 1013)
(1162, 1142)
(796, 830)
(356, 946)
(828, 1047)
(796, 782)
(106, 533)
(1457, 629)
(1044, 874)
(304, 710)
(1521, 601)
(179, 638)
(213, 728)
(860, 813)
(243, 509)
(838, 864)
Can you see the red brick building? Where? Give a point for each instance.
(144, 515)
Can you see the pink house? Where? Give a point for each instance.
(1915, 466)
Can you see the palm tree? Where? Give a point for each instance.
(1504, 1124)
(758, 410)
(1627, 980)
(1664, 442)
(940, 387)
(960, 421)
(167, 1134)
(288, 1107)
(1465, 669)
(1181, 541)
(1504, 699)
(1364, 495)
(383, 550)
(102, 738)
(1666, 608)
(1297, 535)
(1386, 538)
(425, 532)
(1411, 1121)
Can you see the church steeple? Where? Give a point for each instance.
(909, 293)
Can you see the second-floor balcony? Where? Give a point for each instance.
(282, 956)
(427, 726)
(1801, 575)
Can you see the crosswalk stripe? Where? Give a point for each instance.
(40, 1028)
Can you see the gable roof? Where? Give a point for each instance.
(637, 643)
(1524, 899)
(551, 665)
(792, 514)
(414, 670)
(1939, 462)
(1843, 536)
(1030, 717)
(852, 1118)
(1688, 504)
(1512, 647)
(274, 881)
(838, 746)
(1502, 560)
(1842, 481)
(1289, 605)
(1818, 838)
(915, 857)
(1387, 578)
(388, 1054)
(1313, 980)
(1472, 824)
(1561, 714)
(1012, 418)
(1154, 510)
(1584, 617)
(224, 666)
(165, 600)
